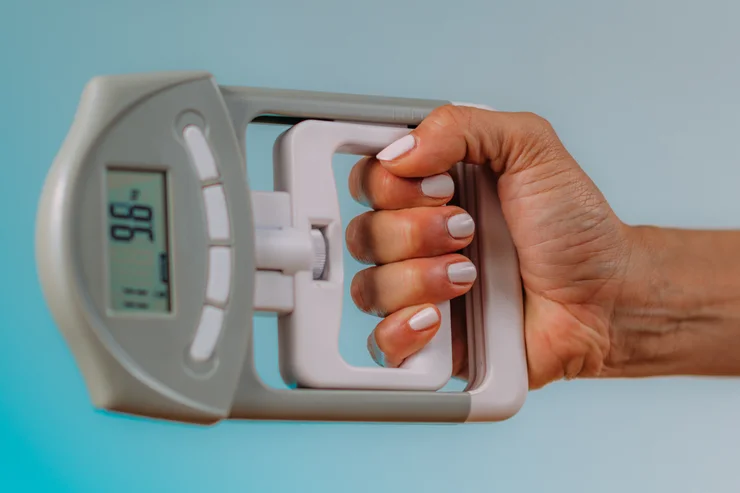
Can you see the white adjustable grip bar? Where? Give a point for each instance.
(309, 330)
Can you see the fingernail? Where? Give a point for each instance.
(460, 226)
(401, 146)
(474, 105)
(425, 319)
(462, 273)
(438, 186)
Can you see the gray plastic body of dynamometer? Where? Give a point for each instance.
(155, 378)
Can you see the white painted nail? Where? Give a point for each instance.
(424, 319)
(460, 226)
(462, 273)
(399, 147)
(438, 186)
(474, 105)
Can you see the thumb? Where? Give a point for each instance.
(451, 134)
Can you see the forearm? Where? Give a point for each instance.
(679, 312)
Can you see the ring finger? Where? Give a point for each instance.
(385, 289)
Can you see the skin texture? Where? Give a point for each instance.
(602, 298)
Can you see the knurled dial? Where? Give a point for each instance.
(319, 253)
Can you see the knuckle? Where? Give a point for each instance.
(536, 126)
(449, 115)
(358, 291)
(383, 193)
(355, 188)
(411, 236)
(535, 141)
(412, 279)
(358, 178)
(380, 342)
(381, 351)
(356, 238)
(351, 239)
(373, 347)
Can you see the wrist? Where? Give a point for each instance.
(677, 312)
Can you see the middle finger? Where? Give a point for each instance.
(382, 237)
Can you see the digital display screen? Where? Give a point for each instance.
(138, 241)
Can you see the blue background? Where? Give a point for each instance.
(645, 95)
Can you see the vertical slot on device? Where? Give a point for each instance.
(322, 264)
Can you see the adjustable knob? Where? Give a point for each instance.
(319, 253)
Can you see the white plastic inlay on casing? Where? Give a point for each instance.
(200, 152)
(206, 337)
(273, 292)
(217, 214)
(219, 275)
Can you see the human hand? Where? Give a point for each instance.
(573, 250)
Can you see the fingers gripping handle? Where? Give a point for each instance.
(309, 334)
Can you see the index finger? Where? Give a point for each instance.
(475, 135)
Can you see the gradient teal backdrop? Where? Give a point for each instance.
(645, 95)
